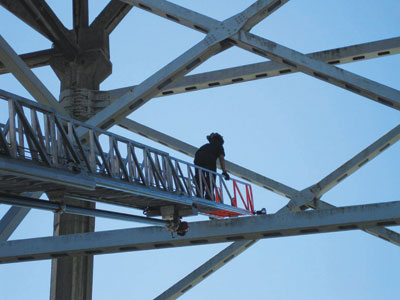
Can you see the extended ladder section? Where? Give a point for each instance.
(40, 150)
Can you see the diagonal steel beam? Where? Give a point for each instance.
(52, 26)
(205, 270)
(269, 69)
(357, 162)
(331, 74)
(11, 221)
(111, 16)
(27, 78)
(294, 60)
(213, 43)
(190, 150)
(14, 217)
(19, 9)
(205, 232)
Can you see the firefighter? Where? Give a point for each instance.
(206, 157)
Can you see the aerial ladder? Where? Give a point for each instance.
(40, 150)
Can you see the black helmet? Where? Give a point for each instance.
(215, 137)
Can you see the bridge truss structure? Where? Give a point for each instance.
(65, 149)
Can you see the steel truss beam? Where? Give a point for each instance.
(356, 162)
(206, 232)
(269, 69)
(212, 44)
(265, 48)
(27, 78)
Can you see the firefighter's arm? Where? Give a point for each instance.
(222, 162)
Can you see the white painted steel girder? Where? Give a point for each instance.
(205, 232)
(269, 69)
(27, 78)
(320, 70)
(182, 65)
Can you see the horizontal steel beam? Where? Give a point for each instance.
(269, 69)
(381, 232)
(205, 232)
(33, 60)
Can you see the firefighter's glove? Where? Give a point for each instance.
(226, 175)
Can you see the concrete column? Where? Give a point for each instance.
(71, 277)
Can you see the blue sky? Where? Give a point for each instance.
(294, 129)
